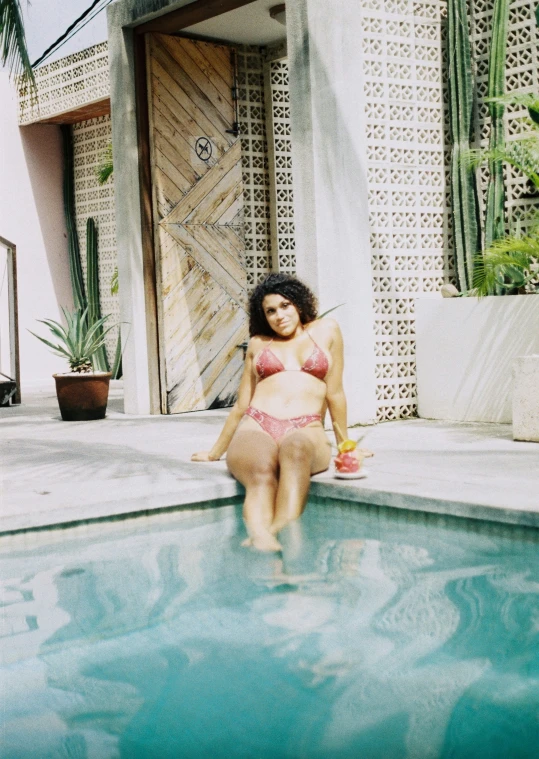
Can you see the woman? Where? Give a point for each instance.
(274, 436)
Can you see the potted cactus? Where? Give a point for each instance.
(82, 392)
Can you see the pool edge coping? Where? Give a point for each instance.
(62, 517)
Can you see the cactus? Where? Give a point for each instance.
(75, 266)
(464, 198)
(495, 222)
(92, 277)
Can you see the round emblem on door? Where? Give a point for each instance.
(203, 148)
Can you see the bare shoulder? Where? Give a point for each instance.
(326, 328)
(256, 343)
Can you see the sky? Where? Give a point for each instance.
(46, 20)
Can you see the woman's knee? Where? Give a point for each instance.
(260, 470)
(262, 473)
(296, 449)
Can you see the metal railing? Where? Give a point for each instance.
(14, 369)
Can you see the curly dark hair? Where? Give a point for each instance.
(291, 289)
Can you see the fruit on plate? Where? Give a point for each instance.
(347, 460)
(347, 445)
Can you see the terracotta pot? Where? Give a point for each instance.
(82, 397)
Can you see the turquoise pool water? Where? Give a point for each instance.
(377, 635)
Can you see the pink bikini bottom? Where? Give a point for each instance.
(277, 428)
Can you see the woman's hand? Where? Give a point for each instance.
(203, 456)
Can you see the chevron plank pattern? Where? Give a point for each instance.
(198, 211)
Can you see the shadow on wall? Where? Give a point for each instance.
(43, 154)
(465, 350)
(508, 337)
(342, 172)
(332, 215)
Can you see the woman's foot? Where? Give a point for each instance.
(277, 526)
(263, 541)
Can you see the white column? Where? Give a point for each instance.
(136, 359)
(330, 180)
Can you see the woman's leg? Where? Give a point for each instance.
(253, 460)
(302, 453)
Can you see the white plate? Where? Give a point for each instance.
(351, 475)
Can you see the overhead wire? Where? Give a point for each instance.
(73, 29)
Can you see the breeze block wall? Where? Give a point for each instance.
(252, 124)
(404, 102)
(68, 83)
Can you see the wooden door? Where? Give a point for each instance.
(198, 213)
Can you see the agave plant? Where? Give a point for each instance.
(78, 341)
(510, 264)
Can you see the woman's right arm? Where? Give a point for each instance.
(245, 393)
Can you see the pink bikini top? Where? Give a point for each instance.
(268, 363)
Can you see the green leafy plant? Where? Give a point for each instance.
(105, 168)
(114, 282)
(523, 152)
(510, 264)
(117, 363)
(78, 342)
(13, 50)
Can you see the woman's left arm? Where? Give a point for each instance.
(335, 397)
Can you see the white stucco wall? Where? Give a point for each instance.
(31, 204)
(31, 216)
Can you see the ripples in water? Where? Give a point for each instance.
(376, 634)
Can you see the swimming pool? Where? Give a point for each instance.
(378, 634)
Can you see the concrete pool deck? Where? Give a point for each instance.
(56, 472)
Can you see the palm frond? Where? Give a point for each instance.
(509, 263)
(527, 100)
(474, 157)
(13, 50)
(524, 246)
(523, 154)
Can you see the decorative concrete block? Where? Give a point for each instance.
(526, 398)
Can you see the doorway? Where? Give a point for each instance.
(197, 199)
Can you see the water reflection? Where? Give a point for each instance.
(370, 636)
